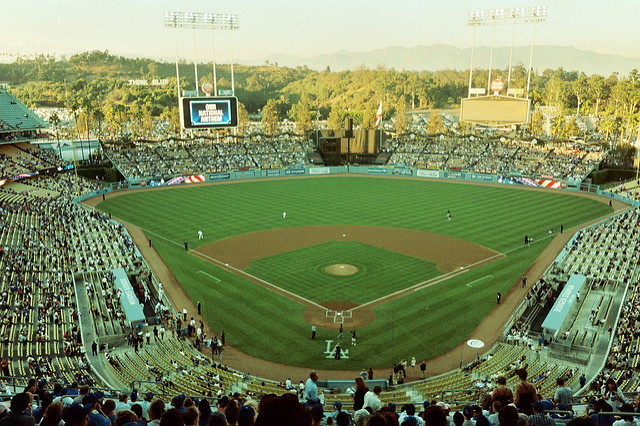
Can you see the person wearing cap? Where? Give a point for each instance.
(338, 409)
(76, 415)
(626, 420)
(467, 412)
(247, 415)
(20, 411)
(539, 417)
(145, 403)
(97, 417)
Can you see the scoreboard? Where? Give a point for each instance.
(210, 112)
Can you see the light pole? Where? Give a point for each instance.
(493, 17)
(199, 21)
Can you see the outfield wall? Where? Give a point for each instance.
(515, 179)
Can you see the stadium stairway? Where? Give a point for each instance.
(97, 363)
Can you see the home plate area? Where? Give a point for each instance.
(339, 316)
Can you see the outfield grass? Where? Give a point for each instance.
(424, 324)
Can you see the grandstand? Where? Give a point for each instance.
(59, 289)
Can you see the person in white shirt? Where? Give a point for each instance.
(372, 399)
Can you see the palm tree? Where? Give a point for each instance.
(54, 120)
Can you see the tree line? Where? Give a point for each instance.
(95, 87)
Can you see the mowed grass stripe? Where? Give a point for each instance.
(424, 324)
(303, 271)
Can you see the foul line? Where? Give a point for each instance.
(297, 298)
(479, 279)
(428, 283)
(290, 295)
(209, 275)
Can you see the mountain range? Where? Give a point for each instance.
(439, 56)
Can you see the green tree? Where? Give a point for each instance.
(243, 118)
(537, 123)
(270, 117)
(400, 121)
(435, 124)
(301, 114)
(580, 90)
(336, 118)
(571, 128)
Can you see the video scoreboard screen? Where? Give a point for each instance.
(211, 112)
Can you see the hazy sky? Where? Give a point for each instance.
(303, 28)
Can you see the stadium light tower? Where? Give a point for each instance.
(199, 21)
(493, 17)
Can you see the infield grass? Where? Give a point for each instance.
(424, 324)
(303, 272)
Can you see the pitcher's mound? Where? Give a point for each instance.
(341, 269)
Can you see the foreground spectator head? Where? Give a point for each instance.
(156, 409)
(376, 419)
(205, 408)
(125, 416)
(76, 415)
(626, 408)
(231, 412)
(222, 402)
(246, 416)
(137, 409)
(523, 420)
(458, 418)
(581, 421)
(281, 410)
(435, 416)
(109, 407)
(53, 413)
(343, 419)
(191, 416)
(392, 420)
(218, 419)
(317, 413)
(481, 420)
(467, 412)
(522, 374)
(171, 418)
(20, 403)
(508, 416)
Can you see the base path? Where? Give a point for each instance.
(487, 330)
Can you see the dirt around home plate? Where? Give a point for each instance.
(487, 330)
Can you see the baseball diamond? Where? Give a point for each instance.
(413, 265)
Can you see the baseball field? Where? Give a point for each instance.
(377, 255)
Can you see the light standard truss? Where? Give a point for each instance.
(518, 15)
(199, 20)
